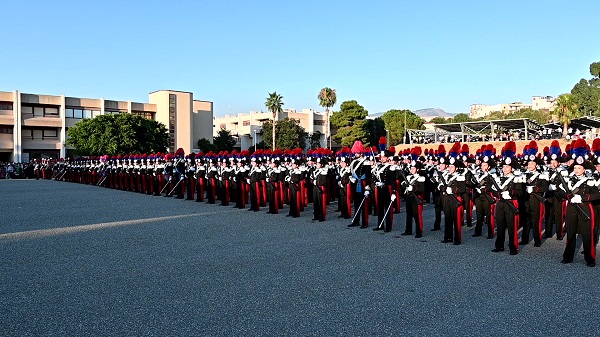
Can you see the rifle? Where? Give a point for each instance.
(443, 181)
(565, 186)
(416, 198)
(512, 207)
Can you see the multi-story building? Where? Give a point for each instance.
(247, 127)
(537, 103)
(36, 126)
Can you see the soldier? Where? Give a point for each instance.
(482, 194)
(360, 182)
(508, 188)
(200, 177)
(343, 181)
(319, 182)
(212, 175)
(414, 190)
(536, 185)
(453, 199)
(580, 191)
(385, 181)
(273, 186)
(190, 174)
(439, 179)
(254, 180)
(554, 204)
(295, 175)
(179, 174)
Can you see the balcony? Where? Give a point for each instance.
(54, 122)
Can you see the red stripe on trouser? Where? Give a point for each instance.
(563, 216)
(257, 189)
(541, 218)
(493, 218)
(226, 192)
(365, 211)
(298, 202)
(279, 186)
(516, 225)
(376, 201)
(324, 202)
(264, 192)
(398, 195)
(459, 220)
(303, 196)
(201, 189)
(420, 216)
(213, 188)
(471, 204)
(349, 199)
(192, 186)
(276, 199)
(592, 247)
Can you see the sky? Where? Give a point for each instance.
(383, 54)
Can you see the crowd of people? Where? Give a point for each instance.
(12, 170)
(547, 194)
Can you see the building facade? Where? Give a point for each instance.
(247, 127)
(537, 103)
(36, 126)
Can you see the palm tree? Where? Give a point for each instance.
(327, 99)
(566, 110)
(274, 103)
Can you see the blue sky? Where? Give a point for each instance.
(384, 54)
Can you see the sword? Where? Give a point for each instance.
(359, 208)
(174, 188)
(386, 213)
(166, 184)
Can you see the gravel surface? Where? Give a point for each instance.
(79, 260)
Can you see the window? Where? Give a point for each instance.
(37, 134)
(319, 122)
(95, 113)
(38, 111)
(145, 114)
(6, 129)
(6, 106)
(69, 113)
(50, 133)
(77, 113)
(51, 112)
(27, 110)
(87, 113)
(246, 123)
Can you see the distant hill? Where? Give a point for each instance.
(426, 114)
(433, 112)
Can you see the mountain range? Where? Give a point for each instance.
(426, 114)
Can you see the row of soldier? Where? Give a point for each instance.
(539, 193)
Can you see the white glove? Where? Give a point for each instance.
(367, 193)
(564, 173)
(505, 195)
(340, 184)
(248, 181)
(409, 188)
(552, 187)
(448, 190)
(576, 199)
(393, 197)
(352, 180)
(529, 189)
(478, 190)
(379, 184)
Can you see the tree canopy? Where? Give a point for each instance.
(117, 134)
(274, 103)
(224, 141)
(290, 134)
(586, 93)
(566, 110)
(351, 123)
(394, 123)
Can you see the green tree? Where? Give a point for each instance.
(376, 129)
(394, 124)
(290, 134)
(586, 93)
(438, 120)
(566, 110)
(315, 140)
(274, 103)
(224, 141)
(117, 134)
(205, 145)
(461, 118)
(351, 124)
(327, 99)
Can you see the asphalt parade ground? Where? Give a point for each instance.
(79, 260)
